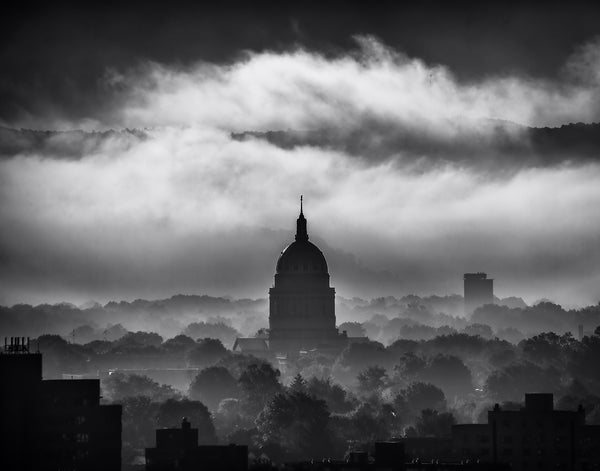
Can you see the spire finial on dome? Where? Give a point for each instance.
(301, 233)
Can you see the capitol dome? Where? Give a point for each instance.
(301, 257)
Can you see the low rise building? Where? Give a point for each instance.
(534, 437)
(177, 449)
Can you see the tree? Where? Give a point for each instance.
(583, 363)
(171, 412)
(60, 356)
(510, 334)
(548, 348)
(482, 330)
(114, 332)
(576, 394)
(313, 364)
(353, 329)
(432, 423)
(409, 365)
(178, 344)
(449, 373)
(228, 418)
(118, 386)
(212, 385)
(298, 422)
(513, 381)
(219, 330)
(262, 333)
(409, 402)
(402, 346)
(337, 399)
(147, 339)
(417, 332)
(258, 383)
(84, 334)
(206, 353)
(417, 311)
(298, 384)
(371, 422)
(237, 363)
(372, 380)
(138, 425)
(99, 347)
(361, 355)
(243, 436)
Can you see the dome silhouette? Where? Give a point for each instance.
(301, 302)
(301, 257)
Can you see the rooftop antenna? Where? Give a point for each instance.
(301, 233)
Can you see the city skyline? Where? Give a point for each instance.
(274, 236)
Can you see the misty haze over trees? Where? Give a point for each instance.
(423, 368)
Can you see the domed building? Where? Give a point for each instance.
(301, 302)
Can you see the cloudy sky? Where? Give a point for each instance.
(409, 130)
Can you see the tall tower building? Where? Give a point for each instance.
(479, 290)
(301, 302)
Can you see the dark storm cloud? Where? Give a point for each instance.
(54, 56)
(493, 145)
(373, 103)
(496, 146)
(65, 144)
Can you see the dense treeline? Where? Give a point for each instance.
(411, 370)
(168, 317)
(383, 319)
(318, 403)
